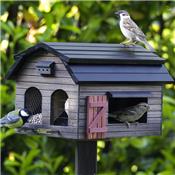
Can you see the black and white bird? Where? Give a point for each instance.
(15, 119)
(130, 114)
(131, 31)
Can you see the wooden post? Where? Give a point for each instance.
(86, 158)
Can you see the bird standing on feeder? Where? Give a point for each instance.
(15, 119)
(131, 31)
(130, 114)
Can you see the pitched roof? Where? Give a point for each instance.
(102, 63)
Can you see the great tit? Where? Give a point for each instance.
(15, 119)
(130, 114)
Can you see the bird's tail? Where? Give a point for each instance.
(111, 115)
(2, 123)
(148, 46)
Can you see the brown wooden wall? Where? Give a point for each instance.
(153, 125)
(29, 77)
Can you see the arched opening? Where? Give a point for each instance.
(33, 100)
(58, 112)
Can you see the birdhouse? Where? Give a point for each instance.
(71, 88)
(46, 68)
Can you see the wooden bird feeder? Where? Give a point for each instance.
(75, 85)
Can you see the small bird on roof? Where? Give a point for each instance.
(15, 119)
(130, 114)
(131, 31)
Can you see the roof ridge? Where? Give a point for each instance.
(94, 43)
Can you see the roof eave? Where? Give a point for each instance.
(127, 82)
(159, 61)
(38, 46)
(20, 58)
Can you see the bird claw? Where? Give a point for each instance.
(136, 123)
(123, 43)
(17, 129)
(132, 44)
(128, 43)
(127, 124)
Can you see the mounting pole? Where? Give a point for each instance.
(86, 158)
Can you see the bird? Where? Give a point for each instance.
(15, 119)
(62, 119)
(130, 114)
(131, 31)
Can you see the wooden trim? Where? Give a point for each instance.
(53, 131)
(98, 130)
(97, 104)
(128, 94)
(96, 116)
(112, 87)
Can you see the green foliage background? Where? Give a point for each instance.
(25, 23)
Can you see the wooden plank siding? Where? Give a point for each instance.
(153, 125)
(29, 77)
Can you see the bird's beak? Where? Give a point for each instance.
(117, 13)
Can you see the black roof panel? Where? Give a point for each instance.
(102, 63)
(100, 53)
(120, 74)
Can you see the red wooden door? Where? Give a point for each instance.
(97, 111)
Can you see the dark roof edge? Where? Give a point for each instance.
(38, 46)
(20, 59)
(121, 61)
(127, 82)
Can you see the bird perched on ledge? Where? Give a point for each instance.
(15, 119)
(130, 114)
(131, 31)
